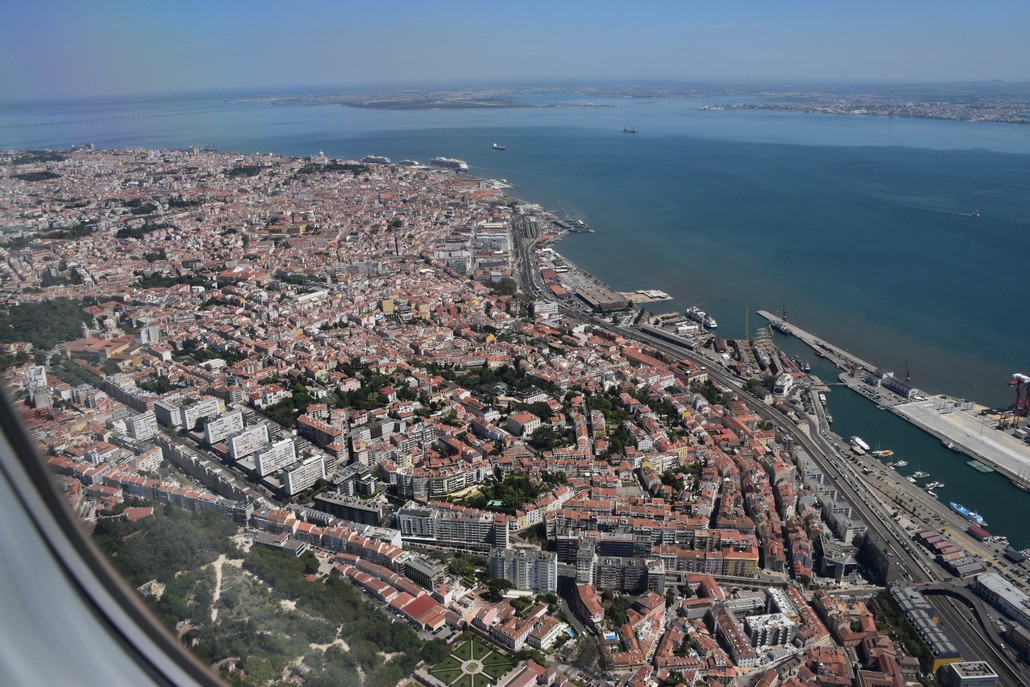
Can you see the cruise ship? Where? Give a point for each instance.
(450, 163)
(968, 514)
(696, 313)
(376, 159)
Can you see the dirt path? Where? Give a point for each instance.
(337, 641)
(218, 587)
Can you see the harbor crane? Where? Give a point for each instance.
(1022, 384)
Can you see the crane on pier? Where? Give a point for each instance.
(1022, 384)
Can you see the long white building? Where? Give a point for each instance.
(248, 441)
(1001, 594)
(276, 457)
(303, 475)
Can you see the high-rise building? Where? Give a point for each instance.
(275, 457)
(455, 526)
(143, 426)
(248, 441)
(303, 475)
(217, 430)
(528, 570)
(209, 406)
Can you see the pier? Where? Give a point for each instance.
(962, 425)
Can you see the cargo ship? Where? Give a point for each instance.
(450, 163)
(972, 516)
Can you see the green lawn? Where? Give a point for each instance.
(479, 650)
(495, 669)
(447, 676)
(449, 663)
(450, 670)
(496, 658)
(463, 651)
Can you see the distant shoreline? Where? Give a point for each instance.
(957, 102)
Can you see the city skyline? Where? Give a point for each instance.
(118, 48)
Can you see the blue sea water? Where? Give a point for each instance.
(861, 227)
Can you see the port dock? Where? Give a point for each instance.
(962, 425)
(645, 296)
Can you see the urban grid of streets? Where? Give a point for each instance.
(221, 287)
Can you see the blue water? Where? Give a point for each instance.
(860, 226)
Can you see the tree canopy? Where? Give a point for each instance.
(44, 324)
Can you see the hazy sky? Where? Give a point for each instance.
(99, 47)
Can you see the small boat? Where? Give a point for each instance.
(829, 419)
(498, 146)
(857, 442)
(881, 407)
(1022, 481)
(884, 453)
(901, 463)
(948, 445)
(627, 130)
(919, 474)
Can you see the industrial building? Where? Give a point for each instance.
(924, 619)
(1002, 595)
(969, 674)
